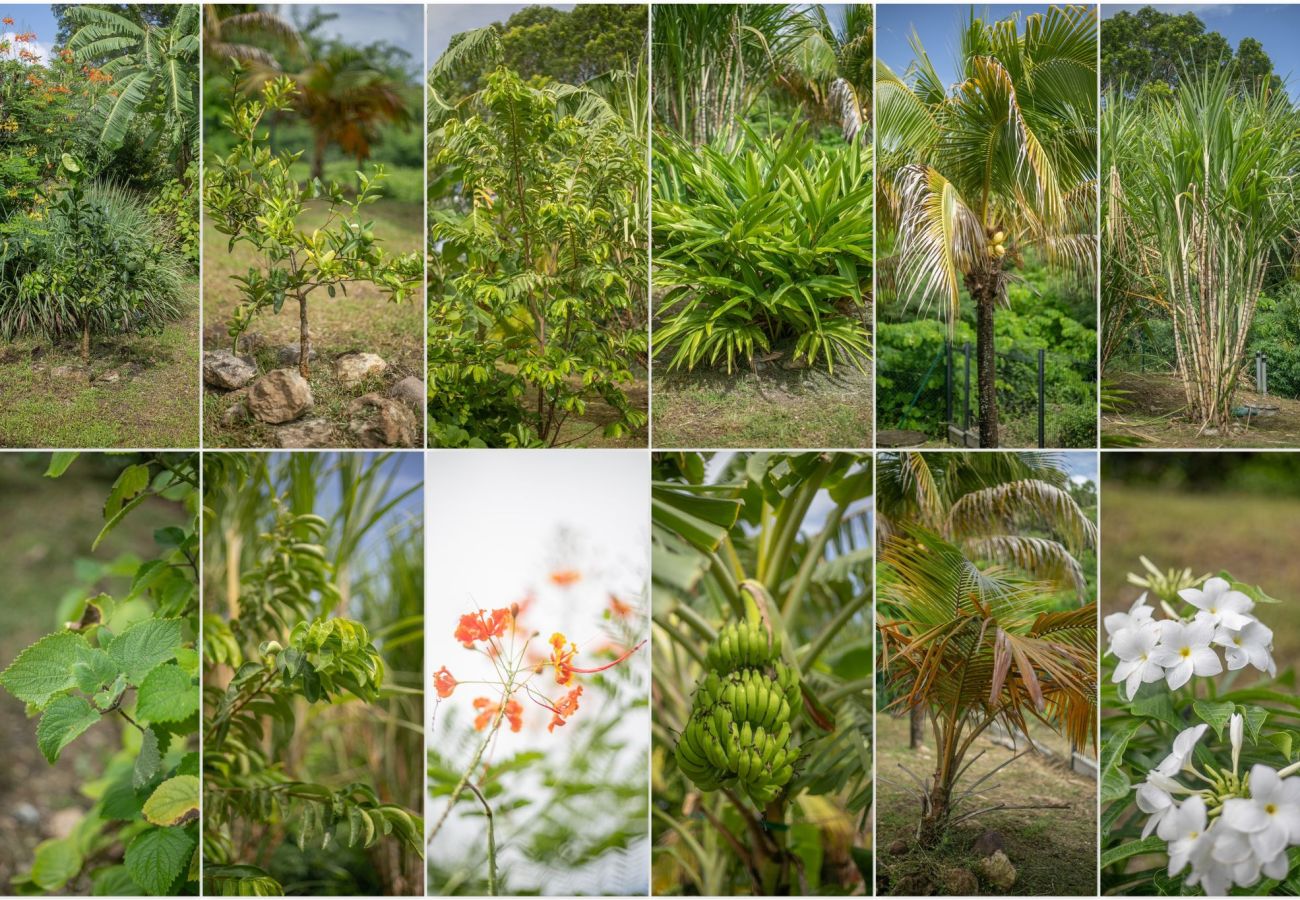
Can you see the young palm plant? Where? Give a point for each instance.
(1201, 200)
(973, 647)
(1001, 166)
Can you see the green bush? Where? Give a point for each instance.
(94, 261)
(1276, 331)
(177, 203)
(767, 242)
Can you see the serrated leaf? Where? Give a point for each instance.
(167, 694)
(121, 801)
(56, 863)
(188, 659)
(105, 699)
(62, 722)
(157, 857)
(144, 645)
(148, 762)
(131, 482)
(174, 801)
(94, 670)
(45, 668)
(189, 764)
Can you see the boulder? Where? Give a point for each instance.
(988, 843)
(223, 369)
(898, 848)
(353, 368)
(997, 871)
(410, 390)
(915, 885)
(70, 373)
(380, 422)
(279, 396)
(236, 413)
(289, 354)
(307, 434)
(109, 377)
(958, 882)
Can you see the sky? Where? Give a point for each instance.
(1276, 27)
(445, 21)
(1081, 464)
(401, 25)
(939, 27)
(31, 17)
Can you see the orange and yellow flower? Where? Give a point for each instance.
(562, 659)
(567, 706)
(620, 609)
(487, 711)
(444, 682)
(566, 577)
(7, 20)
(480, 626)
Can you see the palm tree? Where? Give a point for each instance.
(975, 647)
(226, 28)
(831, 72)
(155, 72)
(1003, 164)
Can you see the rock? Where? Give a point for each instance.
(70, 373)
(27, 814)
(237, 412)
(379, 422)
(223, 369)
(959, 882)
(988, 843)
(913, 886)
(353, 368)
(306, 434)
(251, 342)
(280, 395)
(289, 354)
(997, 871)
(898, 848)
(410, 390)
(109, 378)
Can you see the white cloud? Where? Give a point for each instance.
(42, 51)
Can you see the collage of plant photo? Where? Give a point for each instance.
(634, 449)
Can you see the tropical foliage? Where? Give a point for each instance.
(762, 580)
(130, 659)
(302, 697)
(993, 175)
(537, 265)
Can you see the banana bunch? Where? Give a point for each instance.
(740, 725)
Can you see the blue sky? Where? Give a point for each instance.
(31, 17)
(452, 19)
(1276, 27)
(939, 27)
(1080, 464)
(400, 25)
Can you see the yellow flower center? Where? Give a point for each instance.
(1185, 652)
(1270, 808)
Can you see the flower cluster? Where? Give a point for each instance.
(1175, 648)
(1232, 830)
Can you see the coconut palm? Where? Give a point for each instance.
(227, 29)
(831, 73)
(1200, 201)
(975, 177)
(155, 72)
(974, 647)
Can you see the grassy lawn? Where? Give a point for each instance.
(363, 320)
(155, 402)
(1054, 850)
(1250, 535)
(777, 408)
(1154, 415)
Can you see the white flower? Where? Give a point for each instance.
(1138, 615)
(1184, 651)
(1235, 726)
(1180, 756)
(1183, 828)
(1270, 819)
(1134, 647)
(1250, 645)
(1219, 604)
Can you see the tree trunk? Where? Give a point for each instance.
(935, 818)
(304, 339)
(916, 732)
(85, 341)
(318, 158)
(983, 287)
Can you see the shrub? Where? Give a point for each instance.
(177, 202)
(94, 260)
(761, 243)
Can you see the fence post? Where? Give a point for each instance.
(1259, 371)
(1263, 370)
(966, 403)
(947, 382)
(1042, 439)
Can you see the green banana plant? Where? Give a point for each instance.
(761, 591)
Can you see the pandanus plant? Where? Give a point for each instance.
(1001, 166)
(975, 647)
(762, 682)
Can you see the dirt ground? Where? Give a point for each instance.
(1054, 851)
(778, 407)
(1153, 415)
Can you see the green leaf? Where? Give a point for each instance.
(108, 698)
(1255, 717)
(148, 762)
(114, 881)
(45, 668)
(117, 519)
(1156, 705)
(1283, 741)
(1115, 785)
(1215, 714)
(60, 461)
(63, 721)
(94, 670)
(128, 485)
(173, 802)
(56, 863)
(144, 645)
(121, 801)
(157, 857)
(1152, 844)
(167, 694)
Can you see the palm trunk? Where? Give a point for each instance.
(318, 157)
(935, 818)
(983, 287)
(916, 730)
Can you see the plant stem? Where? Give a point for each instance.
(491, 840)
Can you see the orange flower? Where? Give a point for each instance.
(477, 626)
(562, 659)
(7, 20)
(487, 711)
(567, 706)
(619, 608)
(444, 682)
(25, 38)
(566, 577)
